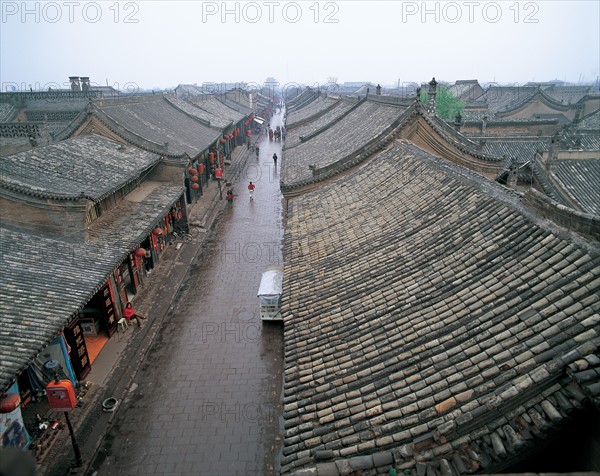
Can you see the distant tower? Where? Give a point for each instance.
(378, 90)
(431, 93)
(271, 85)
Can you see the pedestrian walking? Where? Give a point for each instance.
(129, 313)
(251, 188)
(275, 159)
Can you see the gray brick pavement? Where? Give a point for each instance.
(154, 300)
(207, 399)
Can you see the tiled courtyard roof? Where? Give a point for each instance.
(155, 119)
(591, 122)
(581, 180)
(466, 90)
(237, 102)
(86, 166)
(580, 139)
(429, 321)
(568, 94)
(217, 108)
(522, 149)
(44, 282)
(7, 112)
(260, 100)
(313, 110)
(303, 99)
(293, 136)
(499, 98)
(205, 116)
(340, 141)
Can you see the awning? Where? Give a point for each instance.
(260, 120)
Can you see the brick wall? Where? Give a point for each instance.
(52, 218)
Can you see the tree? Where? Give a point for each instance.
(446, 104)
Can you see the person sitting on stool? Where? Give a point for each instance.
(130, 313)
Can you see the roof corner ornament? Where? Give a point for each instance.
(431, 93)
(458, 121)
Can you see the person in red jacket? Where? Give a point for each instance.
(129, 313)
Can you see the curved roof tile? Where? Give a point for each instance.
(312, 110)
(46, 281)
(157, 120)
(427, 316)
(338, 141)
(85, 166)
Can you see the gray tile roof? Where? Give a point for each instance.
(234, 100)
(580, 179)
(591, 122)
(7, 112)
(312, 110)
(306, 96)
(294, 133)
(466, 90)
(499, 98)
(89, 166)
(522, 149)
(429, 320)
(44, 282)
(155, 119)
(210, 119)
(214, 106)
(568, 94)
(340, 141)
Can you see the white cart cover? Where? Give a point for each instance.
(271, 283)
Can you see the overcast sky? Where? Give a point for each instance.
(164, 43)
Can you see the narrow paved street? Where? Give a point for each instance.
(207, 400)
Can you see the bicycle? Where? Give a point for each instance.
(182, 236)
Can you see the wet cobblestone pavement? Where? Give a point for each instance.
(207, 399)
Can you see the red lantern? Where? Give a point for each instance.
(158, 231)
(192, 171)
(140, 252)
(222, 141)
(249, 132)
(194, 178)
(211, 156)
(230, 136)
(195, 186)
(201, 168)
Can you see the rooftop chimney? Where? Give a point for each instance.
(85, 83)
(75, 86)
